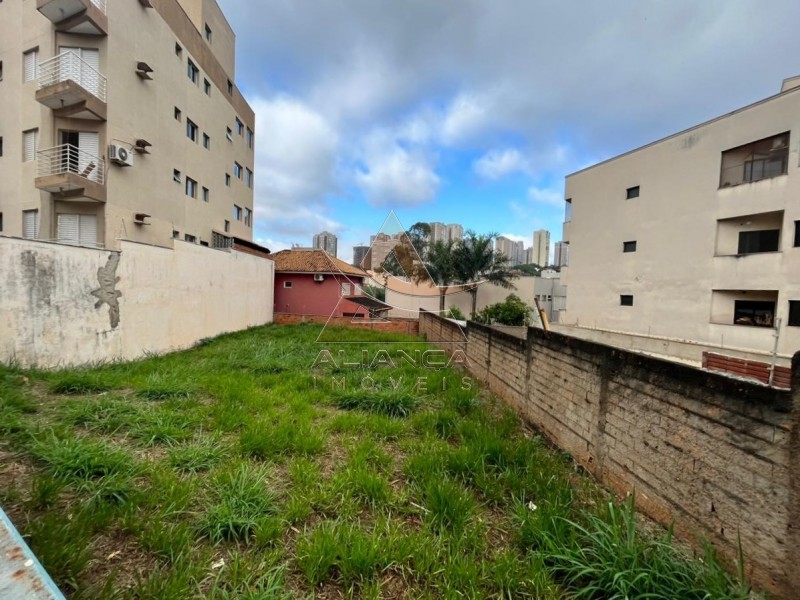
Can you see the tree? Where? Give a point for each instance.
(419, 234)
(439, 268)
(476, 261)
(513, 311)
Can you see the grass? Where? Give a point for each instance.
(232, 470)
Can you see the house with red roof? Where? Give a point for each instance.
(311, 282)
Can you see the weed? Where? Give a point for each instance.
(242, 500)
(267, 439)
(200, 454)
(391, 403)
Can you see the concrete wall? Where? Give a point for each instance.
(63, 305)
(671, 348)
(686, 227)
(719, 456)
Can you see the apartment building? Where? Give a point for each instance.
(514, 251)
(561, 254)
(695, 236)
(325, 240)
(541, 247)
(121, 120)
(455, 232)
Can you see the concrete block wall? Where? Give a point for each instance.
(718, 456)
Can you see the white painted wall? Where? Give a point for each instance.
(171, 298)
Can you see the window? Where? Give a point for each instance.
(191, 130)
(30, 144)
(1, 221)
(794, 306)
(220, 241)
(230, 87)
(176, 234)
(206, 194)
(193, 72)
(190, 238)
(178, 50)
(249, 138)
(206, 141)
(208, 33)
(345, 289)
(191, 187)
(237, 170)
(248, 217)
(1, 70)
(207, 87)
(30, 60)
(176, 176)
(237, 212)
(626, 300)
(178, 114)
(287, 284)
(229, 134)
(227, 226)
(202, 243)
(632, 192)
(30, 224)
(567, 210)
(1, 146)
(759, 160)
(756, 313)
(228, 179)
(796, 233)
(239, 126)
(751, 242)
(629, 246)
(77, 229)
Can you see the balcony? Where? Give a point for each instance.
(72, 87)
(76, 16)
(71, 173)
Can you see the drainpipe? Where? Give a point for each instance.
(777, 336)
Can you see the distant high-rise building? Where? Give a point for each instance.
(360, 253)
(438, 232)
(455, 232)
(528, 256)
(541, 247)
(326, 241)
(561, 257)
(514, 251)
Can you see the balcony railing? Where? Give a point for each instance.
(67, 158)
(68, 66)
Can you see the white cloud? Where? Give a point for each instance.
(497, 163)
(398, 177)
(546, 196)
(518, 238)
(466, 118)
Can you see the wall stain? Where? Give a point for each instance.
(108, 293)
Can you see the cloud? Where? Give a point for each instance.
(398, 177)
(518, 238)
(546, 196)
(497, 163)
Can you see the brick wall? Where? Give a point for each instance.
(719, 456)
(408, 326)
(749, 369)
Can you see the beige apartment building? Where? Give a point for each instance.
(121, 120)
(696, 236)
(541, 247)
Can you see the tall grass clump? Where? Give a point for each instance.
(391, 403)
(242, 502)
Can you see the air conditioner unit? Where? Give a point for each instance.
(121, 156)
(319, 277)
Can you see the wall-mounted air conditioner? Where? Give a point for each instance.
(120, 155)
(319, 277)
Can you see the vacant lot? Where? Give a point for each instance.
(229, 471)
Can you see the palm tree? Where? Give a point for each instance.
(476, 261)
(439, 268)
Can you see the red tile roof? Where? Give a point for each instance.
(312, 261)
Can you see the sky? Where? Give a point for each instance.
(474, 111)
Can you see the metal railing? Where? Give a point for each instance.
(67, 158)
(101, 4)
(70, 66)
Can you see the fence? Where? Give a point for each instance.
(718, 456)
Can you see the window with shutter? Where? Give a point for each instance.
(89, 146)
(30, 224)
(29, 60)
(77, 229)
(30, 144)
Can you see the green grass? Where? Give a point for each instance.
(229, 471)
